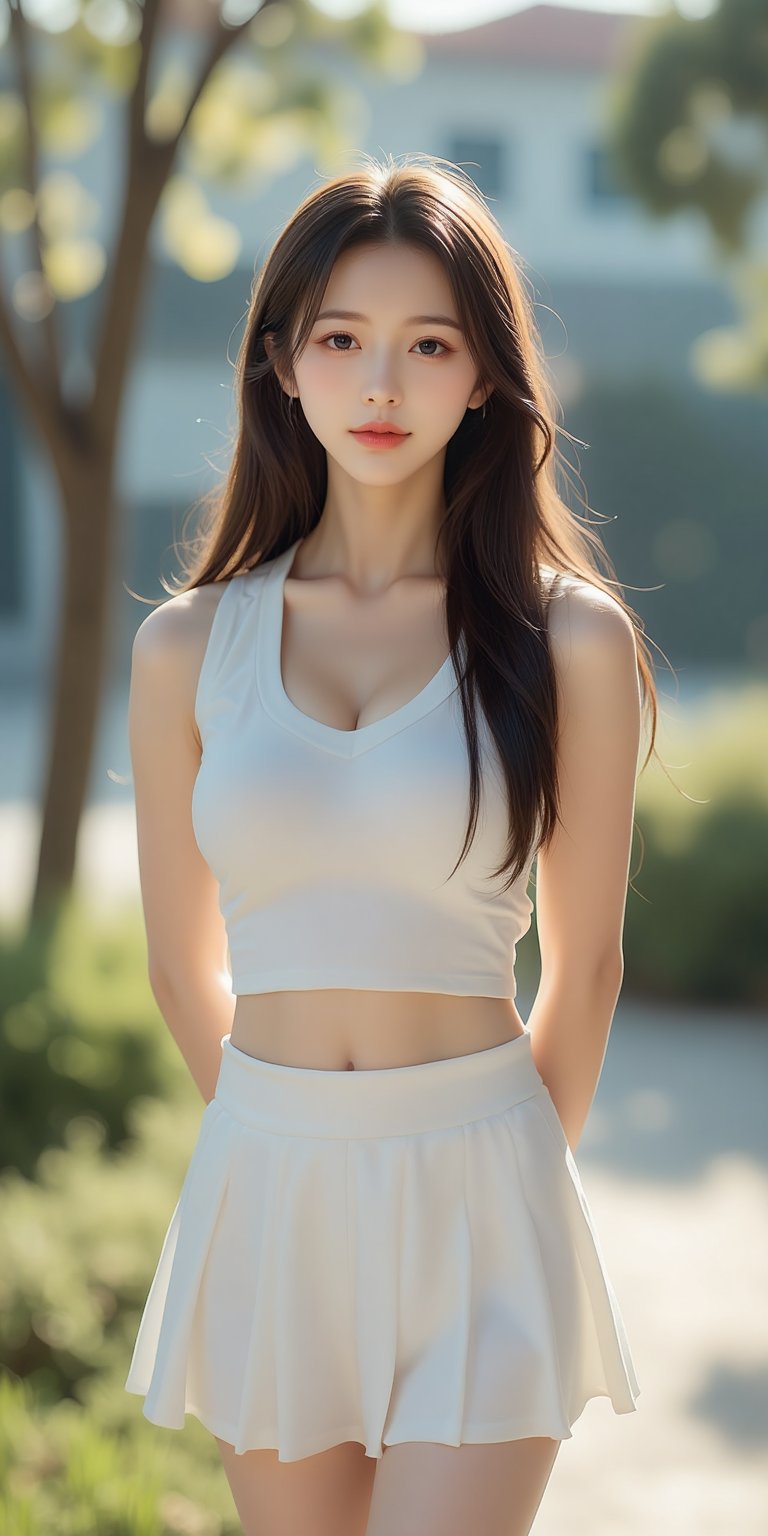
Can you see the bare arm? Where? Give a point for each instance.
(581, 879)
(186, 938)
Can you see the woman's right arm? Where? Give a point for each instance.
(186, 937)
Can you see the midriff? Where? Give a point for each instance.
(343, 1029)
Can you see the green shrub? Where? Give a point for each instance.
(63, 1471)
(696, 923)
(80, 1034)
(697, 910)
(80, 1243)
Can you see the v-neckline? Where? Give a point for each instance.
(286, 713)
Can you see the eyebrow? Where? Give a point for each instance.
(353, 314)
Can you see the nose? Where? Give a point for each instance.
(383, 389)
(386, 396)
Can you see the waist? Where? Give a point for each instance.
(337, 1029)
(400, 1101)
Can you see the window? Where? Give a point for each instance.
(603, 181)
(485, 160)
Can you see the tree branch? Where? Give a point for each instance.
(20, 35)
(149, 166)
(138, 102)
(222, 41)
(41, 401)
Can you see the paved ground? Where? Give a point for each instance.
(674, 1162)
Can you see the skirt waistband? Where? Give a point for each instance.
(391, 1101)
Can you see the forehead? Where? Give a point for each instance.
(391, 279)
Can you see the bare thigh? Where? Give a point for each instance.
(423, 1489)
(324, 1495)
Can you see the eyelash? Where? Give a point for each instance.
(427, 355)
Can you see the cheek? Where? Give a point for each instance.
(449, 384)
(318, 369)
(446, 404)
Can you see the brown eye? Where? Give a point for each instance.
(345, 336)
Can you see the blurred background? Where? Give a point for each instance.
(149, 156)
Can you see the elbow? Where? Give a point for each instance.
(606, 973)
(162, 984)
(597, 973)
(186, 984)
(611, 967)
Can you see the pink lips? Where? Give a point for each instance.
(380, 434)
(381, 439)
(381, 426)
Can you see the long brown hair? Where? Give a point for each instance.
(503, 514)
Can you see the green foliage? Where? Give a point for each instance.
(687, 76)
(696, 924)
(80, 1036)
(686, 120)
(80, 1245)
(700, 931)
(702, 934)
(62, 1470)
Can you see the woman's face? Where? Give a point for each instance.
(392, 365)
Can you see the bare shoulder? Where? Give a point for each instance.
(168, 651)
(175, 628)
(169, 644)
(592, 639)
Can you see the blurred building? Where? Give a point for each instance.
(519, 104)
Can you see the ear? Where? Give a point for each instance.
(269, 347)
(478, 397)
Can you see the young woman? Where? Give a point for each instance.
(393, 679)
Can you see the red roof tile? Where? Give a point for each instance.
(542, 34)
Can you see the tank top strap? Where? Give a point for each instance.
(231, 640)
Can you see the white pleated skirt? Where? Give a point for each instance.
(381, 1256)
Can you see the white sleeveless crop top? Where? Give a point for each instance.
(332, 848)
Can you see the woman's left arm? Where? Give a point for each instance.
(582, 876)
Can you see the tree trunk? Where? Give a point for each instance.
(81, 441)
(80, 665)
